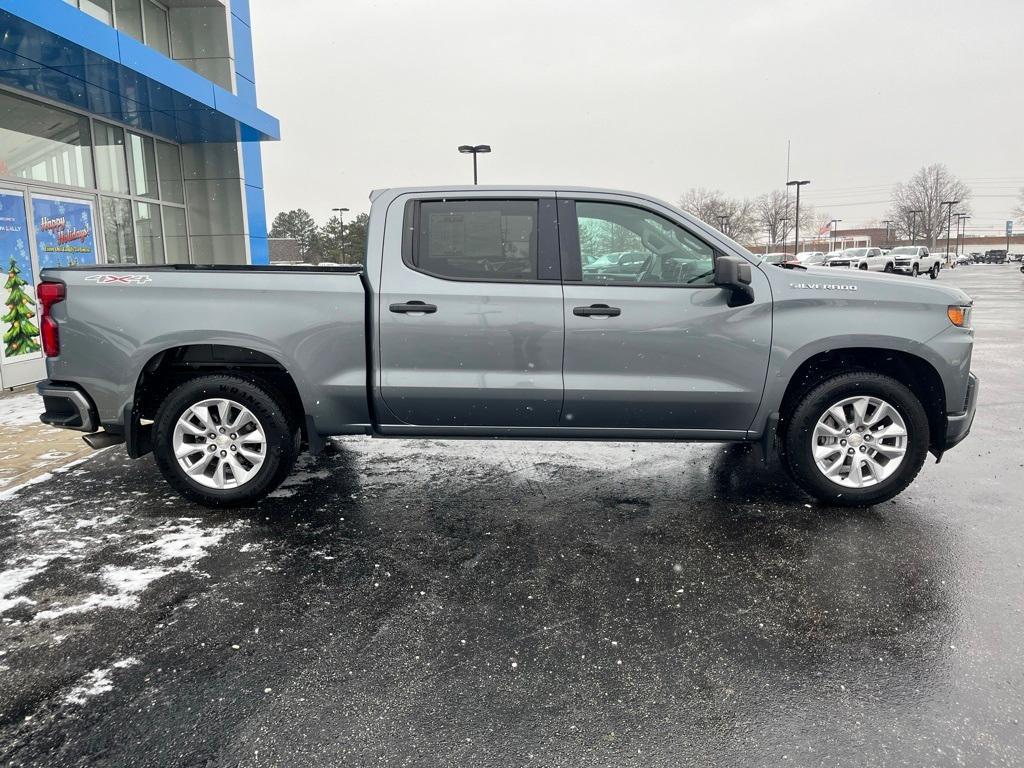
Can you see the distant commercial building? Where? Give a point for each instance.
(129, 134)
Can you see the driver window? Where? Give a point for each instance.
(620, 244)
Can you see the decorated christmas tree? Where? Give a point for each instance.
(20, 334)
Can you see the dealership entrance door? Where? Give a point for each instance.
(39, 228)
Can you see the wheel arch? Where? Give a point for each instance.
(170, 367)
(915, 372)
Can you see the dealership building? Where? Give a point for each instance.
(129, 134)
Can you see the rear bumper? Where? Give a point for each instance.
(67, 407)
(958, 425)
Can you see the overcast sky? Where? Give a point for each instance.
(655, 96)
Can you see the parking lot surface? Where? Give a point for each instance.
(521, 603)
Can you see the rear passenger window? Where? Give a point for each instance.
(484, 240)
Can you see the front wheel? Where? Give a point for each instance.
(915, 270)
(856, 439)
(224, 441)
(889, 267)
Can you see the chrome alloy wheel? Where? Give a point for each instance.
(219, 443)
(859, 441)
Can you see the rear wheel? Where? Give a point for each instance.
(933, 273)
(224, 441)
(856, 439)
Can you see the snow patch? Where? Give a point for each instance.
(96, 682)
(178, 548)
(21, 410)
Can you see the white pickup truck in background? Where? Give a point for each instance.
(915, 260)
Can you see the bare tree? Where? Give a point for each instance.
(925, 192)
(772, 212)
(1018, 210)
(734, 217)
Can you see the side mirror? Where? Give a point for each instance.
(734, 274)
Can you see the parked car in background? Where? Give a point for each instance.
(862, 258)
(778, 259)
(995, 256)
(811, 258)
(963, 260)
(915, 260)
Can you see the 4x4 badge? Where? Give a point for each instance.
(119, 279)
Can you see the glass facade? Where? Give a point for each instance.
(139, 178)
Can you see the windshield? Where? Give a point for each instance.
(904, 249)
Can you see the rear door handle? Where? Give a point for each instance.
(413, 306)
(597, 310)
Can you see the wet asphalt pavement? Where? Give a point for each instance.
(513, 603)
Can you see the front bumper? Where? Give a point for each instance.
(67, 407)
(958, 425)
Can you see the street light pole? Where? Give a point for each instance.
(784, 221)
(913, 226)
(796, 229)
(723, 223)
(474, 150)
(962, 238)
(949, 222)
(835, 225)
(341, 224)
(888, 223)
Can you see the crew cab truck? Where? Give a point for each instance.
(510, 312)
(916, 260)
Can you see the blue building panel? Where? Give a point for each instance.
(245, 66)
(240, 8)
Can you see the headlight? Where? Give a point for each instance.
(959, 315)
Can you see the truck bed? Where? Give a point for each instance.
(118, 321)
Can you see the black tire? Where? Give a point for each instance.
(864, 267)
(889, 267)
(915, 270)
(264, 402)
(933, 273)
(797, 442)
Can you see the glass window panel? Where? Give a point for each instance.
(99, 9)
(142, 166)
(111, 162)
(177, 235)
(41, 143)
(621, 244)
(149, 232)
(486, 240)
(118, 231)
(157, 34)
(129, 17)
(172, 188)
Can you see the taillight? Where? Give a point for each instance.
(48, 295)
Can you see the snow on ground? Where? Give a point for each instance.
(96, 682)
(115, 549)
(20, 410)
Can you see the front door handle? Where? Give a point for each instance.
(413, 306)
(597, 310)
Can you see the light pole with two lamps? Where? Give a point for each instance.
(474, 150)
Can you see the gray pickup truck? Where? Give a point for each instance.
(519, 313)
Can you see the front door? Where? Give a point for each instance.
(650, 342)
(470, 315)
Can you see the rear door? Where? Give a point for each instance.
(470, 314)
(650, 342)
